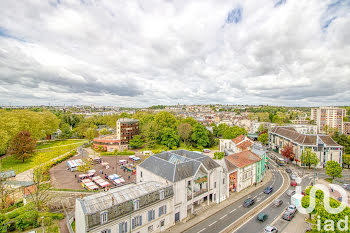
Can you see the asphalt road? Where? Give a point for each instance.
(231, 213)
(274, 214)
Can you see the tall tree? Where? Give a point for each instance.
(233, 132)
(169, 137)
(104, 131)
(346, 160)
(200, 136)
(22, 145)
(136, 142)
(185, 131)
(91, 133)
(309, 158)
(287, 151)
(333, 169)
(263, 138)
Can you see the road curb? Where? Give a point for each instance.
(249, 215)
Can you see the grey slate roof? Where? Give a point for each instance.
(7, 174)
(177, 165)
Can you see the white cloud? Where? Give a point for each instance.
(137, 53)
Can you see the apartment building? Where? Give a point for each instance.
(328, 117)
(126, 129)
(324, 146)
(196, 179)
(142, 208)
(238, 144)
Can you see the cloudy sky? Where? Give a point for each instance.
(140, 53)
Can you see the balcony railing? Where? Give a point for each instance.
(196, 194)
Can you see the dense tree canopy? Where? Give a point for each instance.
(333, 169)
(22, 145)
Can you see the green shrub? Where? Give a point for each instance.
(27, 219)
(126, 152)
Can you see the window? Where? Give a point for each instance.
(136, 221)
(214, 185)
(141, 174)
(123, 227)
(162, 210)
(162, 223)
(106, 231)
(150, 228)
(161, 194)
(223, 181)
(189, 183)
(104, 217)
(151, 215)
(136, 205)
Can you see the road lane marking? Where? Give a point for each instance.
(212, 223)
(232, 211)
(223, 216)
(201, 230)
(261, 204)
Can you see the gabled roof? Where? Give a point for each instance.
(243, 159)
(245, 145)
(238, 139)
(177, 165)
(7, 174)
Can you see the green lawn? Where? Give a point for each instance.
(11, 163)
(43, 145)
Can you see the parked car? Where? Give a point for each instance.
(262, 217)
(290, 192)
(292, 208)
(206, 151)
(288, 215)
(268, 190)
(277, 203)
(288, 170)
(346, 186)
(303, 192)
(293, 183)
(270, 229)
(249, 202)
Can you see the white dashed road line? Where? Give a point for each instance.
(212, 223)
(201, 230)
(232, 211)
(223, 216)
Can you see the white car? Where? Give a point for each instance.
(292, 208)
(270, 229)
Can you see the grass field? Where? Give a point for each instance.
(48, 153)
(43, 145)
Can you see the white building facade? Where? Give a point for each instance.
(142, 208)
(195, 178)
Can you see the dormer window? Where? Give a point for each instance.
(104, 217)
(161, 194)
(136, 204)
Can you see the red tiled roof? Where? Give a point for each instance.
(245, 145)
(238, 139)
(243, 159)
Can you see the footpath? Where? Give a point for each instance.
(213, 208)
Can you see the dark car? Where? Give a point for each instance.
(288, 170)
(288, 215)
(277, 203)
(249, 202)
(268, 190)
(262, 217)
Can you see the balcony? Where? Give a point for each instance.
(195, 194)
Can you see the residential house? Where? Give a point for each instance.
(243, 170)
(195, 177)
(238, 144)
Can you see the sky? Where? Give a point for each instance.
(141, 53)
